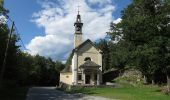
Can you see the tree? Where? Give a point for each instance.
(105, 48)
(37, 70)
(8, 50)
(119, 55)
(145, 27)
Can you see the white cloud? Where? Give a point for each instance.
(99, 2)
(50, 46)
(3, 19)
(117, 20)
(57, 18)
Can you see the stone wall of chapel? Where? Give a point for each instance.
(89, 51)
(66, 78)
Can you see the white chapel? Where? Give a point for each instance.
(86, 65)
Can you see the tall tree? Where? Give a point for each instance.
(8, 50)
(145, 27)
(105, 48)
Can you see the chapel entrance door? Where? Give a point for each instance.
(87, 79)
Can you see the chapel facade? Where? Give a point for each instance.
(86, 64)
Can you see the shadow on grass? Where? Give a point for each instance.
(84, 90)
(158, 90)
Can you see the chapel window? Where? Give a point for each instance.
(87, 58)
(79, 77)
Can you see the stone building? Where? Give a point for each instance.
(86, 66)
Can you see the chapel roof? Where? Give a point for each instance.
(84, 43)
(66, 69)
(89, 64)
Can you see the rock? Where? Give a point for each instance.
(110, 84)
(131, 76)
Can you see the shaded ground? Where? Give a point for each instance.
(50, 93)
(13, 93)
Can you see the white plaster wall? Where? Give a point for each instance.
(66, 78)
(77, 40)
(74, 69)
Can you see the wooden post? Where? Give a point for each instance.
(5, 56)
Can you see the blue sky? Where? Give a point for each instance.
(46, 26)
(21, 12)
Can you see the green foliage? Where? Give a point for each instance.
(2, 9)
(104, 47)
(114, 55)
(38, 70)
(119, 56)
(12, 52)
(144, 37)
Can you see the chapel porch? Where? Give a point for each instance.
(89, 74)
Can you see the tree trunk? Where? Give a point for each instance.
(168, 83)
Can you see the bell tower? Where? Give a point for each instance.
(78, 31)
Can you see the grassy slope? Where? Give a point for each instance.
(127, 92)
(13, 93)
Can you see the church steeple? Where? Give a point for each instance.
(78, 24)
(78, 30)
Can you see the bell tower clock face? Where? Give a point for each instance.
(78, 28)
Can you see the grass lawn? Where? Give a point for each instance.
(126, 92)
(13, 93)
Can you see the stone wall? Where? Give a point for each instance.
(66, 78)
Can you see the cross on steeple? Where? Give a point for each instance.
(78, 24)
(78, 29)
(78, 7)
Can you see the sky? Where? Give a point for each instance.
(47, 26)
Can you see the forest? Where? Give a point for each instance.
(141, 41)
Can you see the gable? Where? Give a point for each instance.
(88, 48)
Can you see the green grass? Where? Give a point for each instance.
(126, 92)
(13, 93)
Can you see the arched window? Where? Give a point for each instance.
(87, 58)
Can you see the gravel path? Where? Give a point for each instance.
(50, 93)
